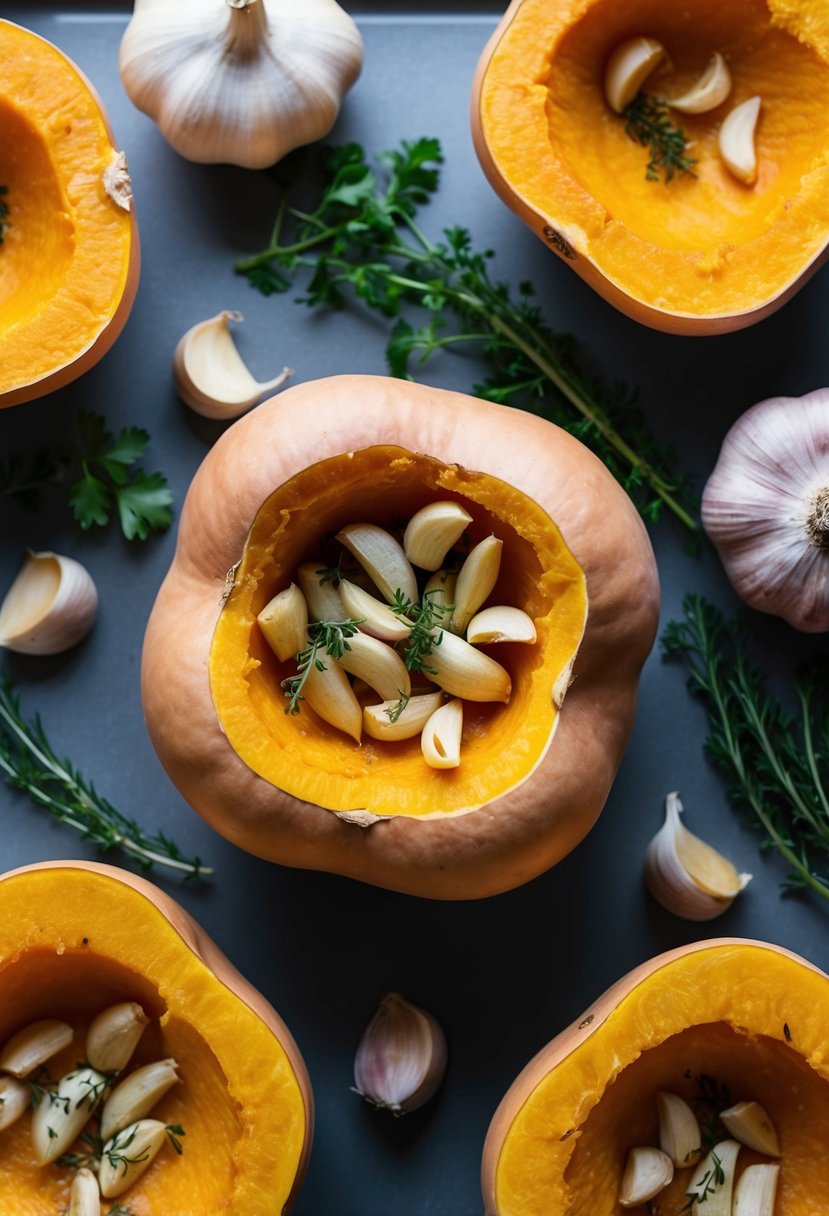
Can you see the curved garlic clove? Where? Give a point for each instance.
(737, 141)
(84, 1195)
(382, 558)
(15, 1099)
(136, 1095)
(62, 1113)
(713, 1180)
(647, 1172)
(210, 375)
(749, 1123)
(432, 531)
(128, 1154)
(113, 1036)
(710, 90)
(378, 664)
(440, 593)
(321, 596)
(463, 671)
(476, 579)
(332, 698)
(401, 1058)
(679, 1134)
(284, 622)
(376, 617)
(34, 1045)
(50, 606)
(756, 1191)
(628, 68)
(501, 623)
(440, 742)
(685, 874)
(385, 723)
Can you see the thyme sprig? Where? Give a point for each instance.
(328, 637)
(425, 618)
(30, 764)
(362, 238)
(709, 1182)
(648, 122)
(5, 222)
(394, 711)
(712, 1096)
(777, 764)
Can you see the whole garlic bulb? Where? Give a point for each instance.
(766, 508)
(240, 81)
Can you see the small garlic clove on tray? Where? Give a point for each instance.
(34, 1045)
(136, 1095)
(628, 68)
(679, 1134)
(710, 90)
(50, 606)
(737, 141)
(647, 1172)
(749, 1123)
(756, 1191)
(440, 742)
(84, 1194)
(113, 1036)
(209, 373)
(432, 531)
(401, 1058)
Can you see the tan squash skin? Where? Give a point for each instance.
(86, 262)
(770, 1006)
(258, 1197)
(543, 133)
(484, 851)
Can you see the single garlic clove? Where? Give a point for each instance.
(749, 1123)
(710, 90)
(383, 560)
(332, 698)
(128, 1154)
(440, 593)
(713, 1180)
(628, 68)
(378, 664)
(376, 617)
(679, 1135)
(136, 1096)
(432, 531)
(113, 1036)
(284, 622)
(756, 1191)
(50, 606)
(647, 1172)
(737, 141)
(440, 742)
(321, 596)
(62, 1113)
(33, 1046)
(209, 373)
(500, 623)
(476, 579)
(84, 1195)
(687, 876)
(384, 722)
(401, 1058)
(463, 671)
(15, 1098)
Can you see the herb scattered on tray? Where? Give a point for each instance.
(362, 237)
(4, 213)
(777, 764)
(30, 764)
(98, 472)
(648, 122)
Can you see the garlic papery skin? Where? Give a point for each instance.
(401, 1058)
(240, 81)
(50, 606)
(766, 508)
(710, 90)
(210, 375)
(685, 874)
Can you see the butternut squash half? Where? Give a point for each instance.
(76, 938)
(698, 254)
(69, 255)
(747, 1015)
(534, 775)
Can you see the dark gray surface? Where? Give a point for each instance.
(502, 975)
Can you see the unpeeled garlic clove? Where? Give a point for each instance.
(647, 1172)
(50, 606)
(463, 671)
(34, 1045)
(401, 1058)
(378, 664)
(378, 723)
(710, 90)
(678, 1130)
(113, 1036)
(128, 1154)
(687, 876)
(432, 531)
(749, 1123)
(84, 1195)
(376, 617)
(737, 141)
(61, 1114)
(321, 596)
(210, 375)
(476, 579)
(500, 623)
(15, 1098)
(136, 1095)
(440, 742)
(628, 68)
(382, 558)
(713, 1180)
(756, 1191)
(284, 622)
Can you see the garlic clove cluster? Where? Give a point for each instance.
(401, 1058)
(50, 606)
(209, 373)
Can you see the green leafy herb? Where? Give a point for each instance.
(99, 468)
(425, 619)
(31, 765)
(328, 637)
(119, 1210)
(362, 238)
(706, 1186)
(648, 122)
(4, 213)
(117, 1153)
(174, 1130)
(712, 1096)
(76, 1161)
(777, 766)
(394, 711)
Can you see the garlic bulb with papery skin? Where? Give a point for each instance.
(209, 373)
(401, 1058)
(240, 81)
(766, 508)
(50, 606)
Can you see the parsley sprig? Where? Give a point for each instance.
(328, 637)
(777, 764)
(648, 122)
(99, 469)
(362, 238)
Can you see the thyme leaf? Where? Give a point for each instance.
(648, 122)
(394, 711)
(328, 637)
(425, 619)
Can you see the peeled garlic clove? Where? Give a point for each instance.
(15, 1098)
(378, 664)
(382, 558)
(330, 695)
(500, 623)
(284, 622)
(647, 1172)
(62, 1113)
(376, 617)
(679, 1135)
(476, 579)
(440, 593)
(209, 373)
(113, 1036)
(50, 606)
(432, 531)
(687, 876)
(713, 1180)
(440, 742)
(737, 141)
(401, 1058)
(322, 597)
(33, 1046)
(136, 1096)
(85, 1195)
(463, 671)
(628, 68)
(377, 719)
(129, 1154)
(749, 1123)
(756, 1191)
(710, 90)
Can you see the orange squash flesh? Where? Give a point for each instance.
(311, 760)
(69, 257)
(697, 254)
(560, 1138)
(75, 938)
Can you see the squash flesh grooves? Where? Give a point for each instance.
(69, 259)
(722, 1009)
(703, 247)
(239, 1101)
